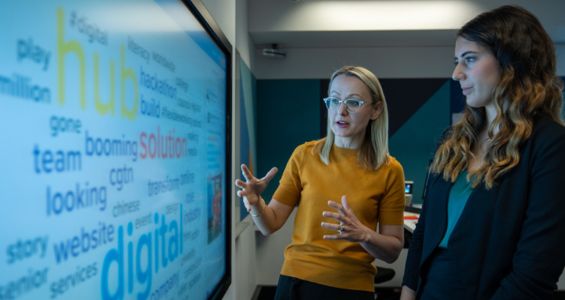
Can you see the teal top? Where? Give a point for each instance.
(458, 196)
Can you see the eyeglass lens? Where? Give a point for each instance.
(350, 104)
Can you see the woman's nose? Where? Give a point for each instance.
(457, 74)
(342, 108)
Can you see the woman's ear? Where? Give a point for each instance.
(377, 111)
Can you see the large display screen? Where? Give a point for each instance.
(115, 151)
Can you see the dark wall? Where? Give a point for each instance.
(288, 114)
(414, 140)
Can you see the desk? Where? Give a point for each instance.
(410, 220)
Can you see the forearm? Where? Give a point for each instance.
(383, 247)
(264, 217)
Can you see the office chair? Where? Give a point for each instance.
(384, 275)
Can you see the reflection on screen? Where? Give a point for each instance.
(408, 185)
(113, 118)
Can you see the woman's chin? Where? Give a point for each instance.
(342, 133)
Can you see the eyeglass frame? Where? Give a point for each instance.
(344, 102)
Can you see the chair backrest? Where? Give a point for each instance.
(383, 275)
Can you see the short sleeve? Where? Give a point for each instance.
(391, 207)
(290, 185)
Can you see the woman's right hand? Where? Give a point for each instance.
(252, 187)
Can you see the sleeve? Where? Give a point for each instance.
(412, 267)
(540, 257)
(290, 185)
(391, 206)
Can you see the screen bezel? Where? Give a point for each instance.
(199, 11)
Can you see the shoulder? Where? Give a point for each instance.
(546, 143)
(547, 133)
(393, 165)
(546, 127)
(309, 148)
(392, 169)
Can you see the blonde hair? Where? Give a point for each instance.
(528, 88)
(374, 148)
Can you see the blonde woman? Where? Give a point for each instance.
(493, 221)
(341, 186)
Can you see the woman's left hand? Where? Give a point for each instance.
(348, 227)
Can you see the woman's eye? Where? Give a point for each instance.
(354, 103)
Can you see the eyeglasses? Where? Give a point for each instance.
(352, 104)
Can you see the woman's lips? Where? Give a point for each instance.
(466, 91)
(342, 124)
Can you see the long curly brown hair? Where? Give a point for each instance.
(528, 88)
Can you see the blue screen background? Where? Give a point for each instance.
(113, 152)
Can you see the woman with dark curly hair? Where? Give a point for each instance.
(493, 221)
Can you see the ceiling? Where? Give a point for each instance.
(379, 23)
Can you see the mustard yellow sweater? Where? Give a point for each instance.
(375, 196)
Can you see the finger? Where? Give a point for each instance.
(334, 204)
(338, 207)
(333, 215)
(333, 237)
(330, 226)
(246, 172)
(344, 202)
(241, 193)
(349, 214)
(272, 172)
(240, 184)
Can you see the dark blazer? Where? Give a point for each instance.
(510, 240)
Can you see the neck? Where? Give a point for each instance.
(483, 137)
(491, 113)
(347, 142)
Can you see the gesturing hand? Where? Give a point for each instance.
(348, 226)
(252, 188)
